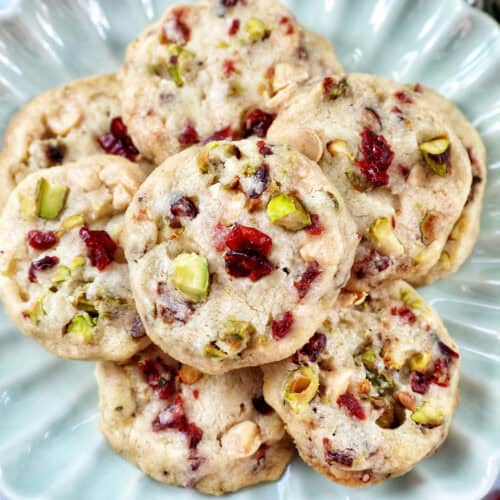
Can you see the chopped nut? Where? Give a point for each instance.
(407, 400)
(307, 142)
(242, 440)
(285, 74)
(189, 375)
(339, 147)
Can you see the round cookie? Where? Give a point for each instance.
(402, 171)
(236, 252)
(63, 277)
(212, 433)
(63, 125)
(374, 391)
(461, 241)
(209, 69)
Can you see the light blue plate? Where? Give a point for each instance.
(49, 445)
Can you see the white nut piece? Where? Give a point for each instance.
(337, 382)
(307, 142)
(285, 74)
(242, 440)
(64, 118)
(282, 97)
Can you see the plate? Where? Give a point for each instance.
(49, 445)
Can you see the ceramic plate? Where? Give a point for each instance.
(49, 445)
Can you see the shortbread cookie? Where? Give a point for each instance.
(215, 434)
(237, 251)
(208, 70)
(374, 391)
(63, 277)
(464, 235)
(63, 125)
(401, 169)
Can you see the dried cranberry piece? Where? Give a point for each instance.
(182, 206)
(371, 265)
(377, 157)
(229, 68)
(351, 405)
(171, 417)
(55, 153)
(314, 347)
(100, 246)
(226, 133)
(261, 177)
(137, 330)
(264, 149)
(247, 265)
(188, 136)
(441, 373)
(404, 97)
(159, 376)
(248, 239)
(397, 110)
(316, 228)
(175, 29)
(117, 141)
(303, 284)
(340, 457)
(194, 435)
(42, 240)
(419, 382)
(282, 325)
(42, 264)
(405, 313)
(447, 351)
(234, 28)
(257, 122)
(170, 307)
(229, 3)
(259, 403)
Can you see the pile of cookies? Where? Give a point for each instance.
(225, 227)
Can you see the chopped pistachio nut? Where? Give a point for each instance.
(429, 253)
(36, 311)
(301, 387)
(256, 30)
(420, 361)
(82, 303)
(393, 415)
(72, 222)
(51, 199)
(62, 274)
(358, 182)
(445, 260)
(78, 261)
(213, 351)
(383, 233)
(190, 276)
(369, 359)
(436, 153)
(189, 375)
(427, 227)
(411, 299)
(428, 415)
(286, 211)
(340, 147)
(84, 326)
(223, 45)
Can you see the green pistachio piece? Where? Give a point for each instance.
(420, 361)
(72, 222)
(339, 147)
(286, 211)
(84, 326)
(393, 415)
(436, 153)
(212, 351)
(36, 311)
(411, 299)
(78, 261)
(256, 29)
(62, 274)
(428, 415)
(427, 227)
(190, 276)
(381, 382)
(369, 359)
(358, 182)
(234, 339)
(383, 233)
(51, 199)
(301, 387)
(82, 303)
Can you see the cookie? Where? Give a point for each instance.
(374, 391)
(63, 277)
(237, 251)
(215, 434)
(461, 241)
(208, 70)
(401, 169)
(63, 125)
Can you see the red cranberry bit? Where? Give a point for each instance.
(405, 313)
(219, 237)
(188, 136)
(303, 284)
(171, 308)
(159, 376)
(289, 26)
(281, 326)
(42, 240)
(171, 417)
(229, 3)
(264, 149)
(259, 403)
(419, 382)
(447, 351)
(371, 265)
(404, 97)
(194, 435)
(316, 228)
(397, 110)
(117, 141)
(378, 157)
(340, 457)
(182, 206)
(229, 68)
(257, 122)
(441, 373)
(196, 394)
(175, 29)
(42, 264)
(314, 347)
(351, 405)
(234, 28)
(261, 178)
(248, 239)
(224, 134)
(137, 330)
(247, 265)
(100, 246)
